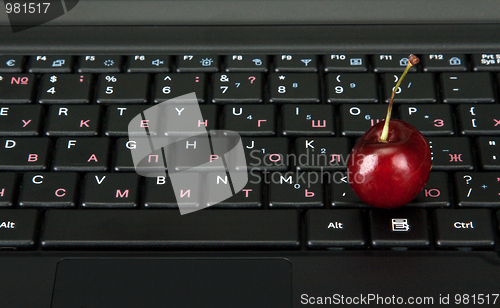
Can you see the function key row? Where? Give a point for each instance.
(380, 63)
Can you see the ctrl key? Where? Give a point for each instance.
(17, 228)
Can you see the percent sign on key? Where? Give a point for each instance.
(110, 78)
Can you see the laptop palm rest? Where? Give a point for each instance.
(123, 283)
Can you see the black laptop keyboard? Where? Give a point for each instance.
(67, 179)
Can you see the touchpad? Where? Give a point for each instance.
(151, 283)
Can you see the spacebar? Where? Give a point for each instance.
(205, 229)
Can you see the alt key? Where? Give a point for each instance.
(17, 228)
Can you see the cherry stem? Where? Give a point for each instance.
(412, 60)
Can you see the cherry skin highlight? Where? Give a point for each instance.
(389, 174)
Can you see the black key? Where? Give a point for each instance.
(20, 120)
(8, 188)
(335, 229)
(295, 63)
(463, 228)
(467, 88)
(342, 193)
(321, 153)
(100, 64)
(118, 118)
(73, 120)
(18, 228)
(249, 196)
(148, 64)
(294, 88)
(200, 153)
(81, 154)
(479, 189)
(308, 120)
(160, 193)
(154, 162)
(486, 62)
(489, 153)
(444, 63)
(357, 119)
(430, 120)
(174, 85)
(197, 63)
(391, 63)
(237, 88)
(16, 88)
(479, 119)
(206, 229)
(451, 153)
(415, 88)
(110, 190)
(265, 154)
(250, 120)
(405, 228)
(50, 64)
(65, 89)
(184, 120)
(352, 88)
(11, 64)
(44, 189)
(435, 193)
(122, 88)
(298, 190)
(246, 63)
(24, 153)
(346, 63)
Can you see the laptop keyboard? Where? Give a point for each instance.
(67, 178)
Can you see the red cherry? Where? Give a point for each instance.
(389, 174)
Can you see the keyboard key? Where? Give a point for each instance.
(246, 63)
(486, 62)
(489, 153)
(122, 88)
(308, 120)
(250, 120)
(346, 63)
(295, 190)
(24, 153)
(467, 88)
(11, 64)
(295, 63)
(197, 63)
(81, 154)
(169, 86)
(451, 153)
(206, 229)
(463, 228)
(110, 190)
(479, 119)
(237, 88)
(294, 88)
(321, 153)
(430, 120)
(444, 63)
(100, 64)
(50, 64)
(44, 189)
(8, 188)
(65, 89)
(435, 193)
(249, 196)
(148, 64)
(352, 88)
(160, 193)
(335, 229)
(200, 153)
(415, 88)
(342, 193)
(16, 88)
(118, 118)
(406, 228)
(481, 189)
(154, 162)
(391, 63)
(18, 228)
(73, 120)
(265, 154)
(189, 120)
(357, 119)
(20, 120)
